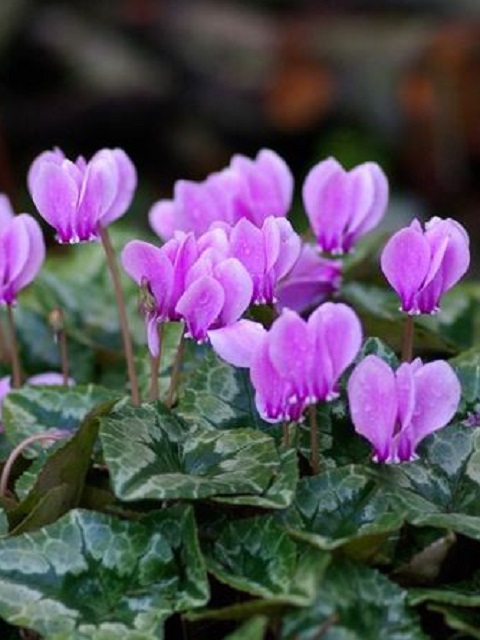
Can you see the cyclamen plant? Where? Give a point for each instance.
(282, 406)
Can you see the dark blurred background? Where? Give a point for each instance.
(181, 85)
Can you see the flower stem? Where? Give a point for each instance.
(122, 314)
(16, 368)
(285, 434)
(407, 345)
(314, 460)
(56, 321)
(4, 350)
(154, 391)
(37, 437)
(175, 373)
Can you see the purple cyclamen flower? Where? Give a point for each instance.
(251, 189)
(47, 379)
(297, 362)
(22, 251)
(394, 411)
(268, 253)
(422, 265)
(344, 205)
(185, 280)
(309, 282)
(77, 197)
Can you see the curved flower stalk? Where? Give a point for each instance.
(421, 265)
(395, 411)
(344, 205)
(310, 281)
(251, 189)
(297, 362)
(78, 198)
(198, 283)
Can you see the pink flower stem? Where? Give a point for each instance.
(37, 437)
(122, 314)
(407, 345)
(56, 321)
(175, 373)
(154, 391)
(314, 459)
(16, 367)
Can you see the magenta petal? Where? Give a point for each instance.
(313, 193)
(200, 305)
(290, 248)
(126, 185)
(6, 211)
(373, 403)
(405, 262)
(164, 219)
(237, 287)
(270, 389)
(146, 263)
(361, 224)
(36, 252)
(100, 186)
(16, 247)
(271, 236)
(247, 244)
(291, 350)
(196, 204)
(405, 385)
(55, 195)
(338, 338)
(437, 394)
(456, 259)
(237, 343)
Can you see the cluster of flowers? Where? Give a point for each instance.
(227, 245)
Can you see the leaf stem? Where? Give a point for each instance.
(122, 314)
(56, 321)
(175, 372)
(37, 437)
(285, 434)
(16, 367)
(314, 460)
(407, 345)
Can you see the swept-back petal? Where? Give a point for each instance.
(290, 248)
(270, 387)
(55, 194)
(405, 384)
(313, 190)
(237, 287)
(164, 218)
(126, 185)
(200, 306)
(366, 219)
(437, 394)
(6, 211)
(373, 403)
(237, 343)
(405, 262)
(100, 186)
(36, 252)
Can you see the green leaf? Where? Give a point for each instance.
(37, 409)
(94, 576)
(153, 454)
(254, 629)
(258, 556)
(59, 484)
(463, 620)
(463, 594)
(219, 396)
(441, 488)
(354, 602)
(341, 506)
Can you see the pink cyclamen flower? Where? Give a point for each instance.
(22, 251)
(297, 362)
(394, 411)
(185, 280)
(77, 197)
(47, 379)
(311, 280)
(251, 189)
(422, 265)
(344, 205)
(268, 253)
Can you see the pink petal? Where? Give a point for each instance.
(200, 305)
(36, 252)
(373, 403)
(291, 349)
(270, 388)
(237, 343)
(290, 248)
(237, 287)
(55, 156)
(405, 386)
(55, 195)
(197, 205)
(100, 186)
(456, 258)
(153, 335)
(6, 211)
(437, 394)
(49, 378)
(271, 235)
(126, 185)
(405, 262)
(185, 256)
(164, 219)
(313, 193)
(375, 212)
